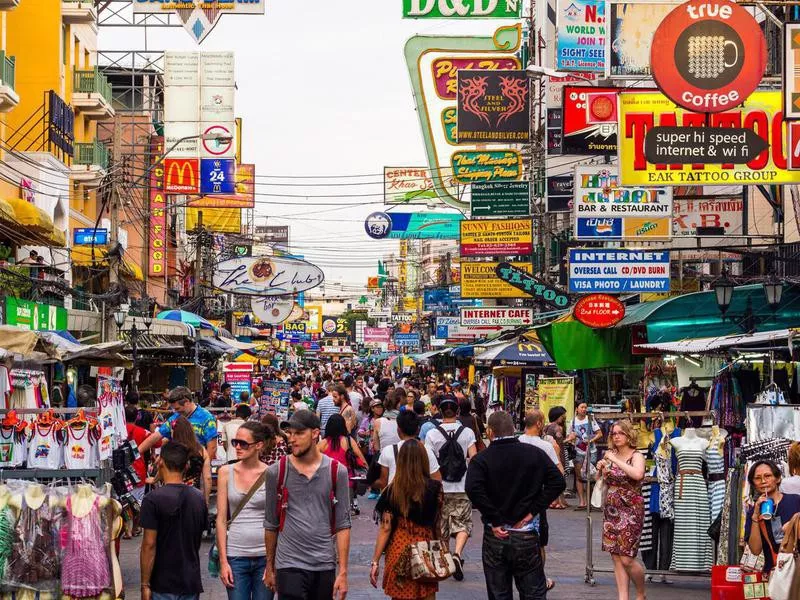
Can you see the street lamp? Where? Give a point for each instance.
(120, 315)
(773, 290)
(723, 289)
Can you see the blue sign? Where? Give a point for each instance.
(443, 299)
(599, 228)
(406, 339)
(378, 225)
(217, 176)
(423, 225)
(616, 270)
(89, 236)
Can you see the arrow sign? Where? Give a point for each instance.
(544, 292)
(702, 145)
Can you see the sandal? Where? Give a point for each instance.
(557, 506)
(577, 508)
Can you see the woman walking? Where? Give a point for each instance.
(622, 468)
(336, 444)
(276, 445)
(384, 428)
(198, 470)
(410, 511)
(240, 497)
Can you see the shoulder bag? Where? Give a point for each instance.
(784, 581)
(599, 493)
(213, 553)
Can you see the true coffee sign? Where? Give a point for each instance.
(708, 55)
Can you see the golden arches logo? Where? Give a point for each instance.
(181, 169)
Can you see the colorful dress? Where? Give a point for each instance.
(85, 572)
(623, 516)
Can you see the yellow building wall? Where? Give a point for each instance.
(7, 189)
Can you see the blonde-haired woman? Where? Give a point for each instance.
(791, 484)
(622, 469)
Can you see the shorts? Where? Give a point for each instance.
(138, 493)
(456, 515)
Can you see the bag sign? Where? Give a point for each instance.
(708, 55)
(599, 311)
(618, 270)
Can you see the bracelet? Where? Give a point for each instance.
(375, 563)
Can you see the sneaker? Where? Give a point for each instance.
(459, 574)
(373, 496)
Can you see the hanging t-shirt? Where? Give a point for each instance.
(80, 448)
(13, 447)
(45, 450)
(6, 389)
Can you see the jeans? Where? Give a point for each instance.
(299, 584)
(163, 596)
(518, 557)
(248, 582)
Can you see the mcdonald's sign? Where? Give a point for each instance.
(181, 175)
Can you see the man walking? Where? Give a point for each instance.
(326, 406)
(510, 483)
(182, 404)
(453, 444)
(307, 509)
(407, 429)
(173, 517)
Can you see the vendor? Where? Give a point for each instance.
(766, 535)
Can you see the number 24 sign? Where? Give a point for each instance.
(217, 176)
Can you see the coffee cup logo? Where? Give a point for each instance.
(709, 54)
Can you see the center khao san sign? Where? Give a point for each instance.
(266, 276)
(708, 55)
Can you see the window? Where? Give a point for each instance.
(64, 38)
(76, 53)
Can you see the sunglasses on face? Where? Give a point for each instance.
(237, 443)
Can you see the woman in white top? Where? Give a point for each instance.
(791, 484)
(384, 429)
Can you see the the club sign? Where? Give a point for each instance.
(266, 276)
(708, 55)
(529, 284)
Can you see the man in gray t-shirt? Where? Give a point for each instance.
(301, 557)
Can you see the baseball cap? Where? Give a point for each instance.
(304, 419)
(448, 399)
(375, 402)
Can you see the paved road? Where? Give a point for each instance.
(566, 564)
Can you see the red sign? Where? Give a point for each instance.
(708, 55)
(157, 238)
(599, 311)
(793, 155)
(582, 136)
(182, 175)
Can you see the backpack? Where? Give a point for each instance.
(452, 461)
(283, 493)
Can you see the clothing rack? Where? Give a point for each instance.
(6, 474)
(603, 416)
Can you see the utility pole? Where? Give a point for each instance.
(113, 234)
(198, 259)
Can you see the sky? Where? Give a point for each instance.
(323, 90)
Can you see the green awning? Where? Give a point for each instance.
(574, 346)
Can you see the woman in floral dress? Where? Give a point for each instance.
(622, 469)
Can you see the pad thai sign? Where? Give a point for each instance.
(266, 276)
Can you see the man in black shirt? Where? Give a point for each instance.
(173, 518)
(510, 483)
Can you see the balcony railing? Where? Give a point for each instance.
(7, 69)
(92, 82)
(92, 153)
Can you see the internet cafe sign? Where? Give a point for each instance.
(198, 16)
(461, 9)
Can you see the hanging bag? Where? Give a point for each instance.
(599, 494)
(784, 581)
(427, 561)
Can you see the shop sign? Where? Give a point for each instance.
(555, 125)
(424, 226)
(243, 250)
(581, 35)
(433, 63)
(791, 71)
(605, 209)
(335, 327)
(182, 175)
(217, 176)
(495, 237)
(493, 106)
(378, 225)
(450, 328)
(494, 165)
(560, 192)
(410, 185)
(444, 299)
(60, 123)
(89, 237)
(618, 270)
(266, 276)
(377, 335)
(708, 56)
(639, 112)
(462, 9)
(480, 280)
(599, 311)
(501, 199)
(157, 234)
(722, 214)
(702, 145)
(402, 317)
(632, 25)
(295, 327)
(533, 287)
(275, 394)
(407, 339)
(374, 313)
(500, 316)
(35, 316)
(198, 20)
(557, 391)
(243, 196)
(579, 136)
(272, 310)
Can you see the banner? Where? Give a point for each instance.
(436, 226)
(641, 111)
(314, 323)
(201, 17)
(723, 212)
(501, 199)
(556, 391)
(221, 220)
(377, 335)
(616, 271)
(274, 395)
(244, 195)
(463, 9)
(632, 25)
(579, 135)
(411, 185)
(35, 316)
(239, 376)
(157, 206)
(490, 237)
(493, 106)
(479, 280)
(581, 31)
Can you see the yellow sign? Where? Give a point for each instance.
(479, 280)
(314, 323)
(762, 112)
(556, 391)
(496, 237)
(223, 220)
(638, 227)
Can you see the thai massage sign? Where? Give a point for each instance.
(266, 276)
(462, 9)
(605, 209)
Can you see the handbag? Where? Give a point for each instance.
(750, 562)
(426, 561)
(784, 581)
(213, 552)
(599, 494)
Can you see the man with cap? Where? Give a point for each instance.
(300, 531)
(457, 508)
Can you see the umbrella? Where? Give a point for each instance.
(185, 317)
(407, 361)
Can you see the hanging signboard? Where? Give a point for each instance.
(199, 20)
(157, 234)
(266, 276)
(272, 310)
(581, 35)
(632, 25)
(410, 185)
(555, 125)
(491, 165)
(496, 315)
(479, 280)
(406, 339)
(604, 209)
(493, 106)
(791, 71)
(244, 194)
(501, 199)
(437, 226)
(702, 145)
(89, 236)
(34, 316)
(560, 192)
(615, 271)
(314, 316)
(239, 376)
(531, 286)
(335, 327)
(761, 112)
(377, 335)
(275, 394)
(217, 176)
(182, 175)
(723, 214)
(598, 311)
(580, 136)
(463, 9)
(557, 391)
(493, 237)
(708, 55)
